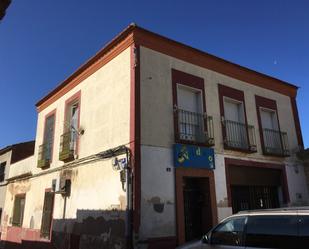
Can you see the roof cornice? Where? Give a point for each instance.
(140, 36)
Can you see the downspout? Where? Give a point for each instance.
(128, 188)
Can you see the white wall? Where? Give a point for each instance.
(157, 138)
(22, 167)
(158, 186)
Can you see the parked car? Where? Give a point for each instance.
(275, 228)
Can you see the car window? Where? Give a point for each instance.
(304, 229)
(271, 231)
(229, 232)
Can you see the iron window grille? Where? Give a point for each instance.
(239, 136)
(194, 127)
(275, 142)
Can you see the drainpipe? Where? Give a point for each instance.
(128, 187)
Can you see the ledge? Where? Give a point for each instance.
(27, 174)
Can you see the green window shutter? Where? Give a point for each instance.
(18, 211)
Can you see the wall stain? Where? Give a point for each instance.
(223, 203)
(158, 206)
(19, 188)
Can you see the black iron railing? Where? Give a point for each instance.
(275, 142)
(195, 127)
(44, 155)
(239, 136)
(68, 142)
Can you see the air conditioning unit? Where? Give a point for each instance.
(62, 186)
(55, 185)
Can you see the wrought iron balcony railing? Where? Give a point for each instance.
(68, 142)
(275, 142)
(194, 127)
(44, 155)
(239, 136)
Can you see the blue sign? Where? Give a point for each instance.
(190, 156)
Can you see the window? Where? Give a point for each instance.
(47, 215)
(229, 233)
(271, 134)
(69, 139)
(72, 124)
(2, 171)
(234, 110)
(277, 231)
(191, 123)
(49, 136)
(18, 211)
(237, 134)
(236, 129)
(45, 154)
(274, 142)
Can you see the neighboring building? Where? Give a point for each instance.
(4, 4)
(9, 155)
(206, 138)
(304, 156)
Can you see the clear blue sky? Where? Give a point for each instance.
(43, 42)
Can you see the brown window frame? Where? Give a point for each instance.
(75, 98)
(20, 222)
(53, 112)
(239, 96)
(192, 81)
(262, 102)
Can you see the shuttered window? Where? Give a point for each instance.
(47, 214)
(49, 136)
(18, 212)
(2, 171)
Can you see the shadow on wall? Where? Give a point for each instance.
(92, 229)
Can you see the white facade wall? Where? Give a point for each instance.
(21, 167)
(96, 190)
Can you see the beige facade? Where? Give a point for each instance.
(4, 159)
(157, 139)
(8, 156)
(97, 195)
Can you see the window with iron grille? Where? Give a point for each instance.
(237, 134)
(2, 171)
(69, 139)
(47, 214)
(18, 211)
(191, 123)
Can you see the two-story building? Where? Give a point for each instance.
(150, 143)
(10, 155)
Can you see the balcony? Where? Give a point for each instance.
(68, 142)
(275, 143)
(44, 156)
(239, 136)
(194, 128)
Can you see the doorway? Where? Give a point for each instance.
(197, 208)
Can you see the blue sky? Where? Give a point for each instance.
(43, 42)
